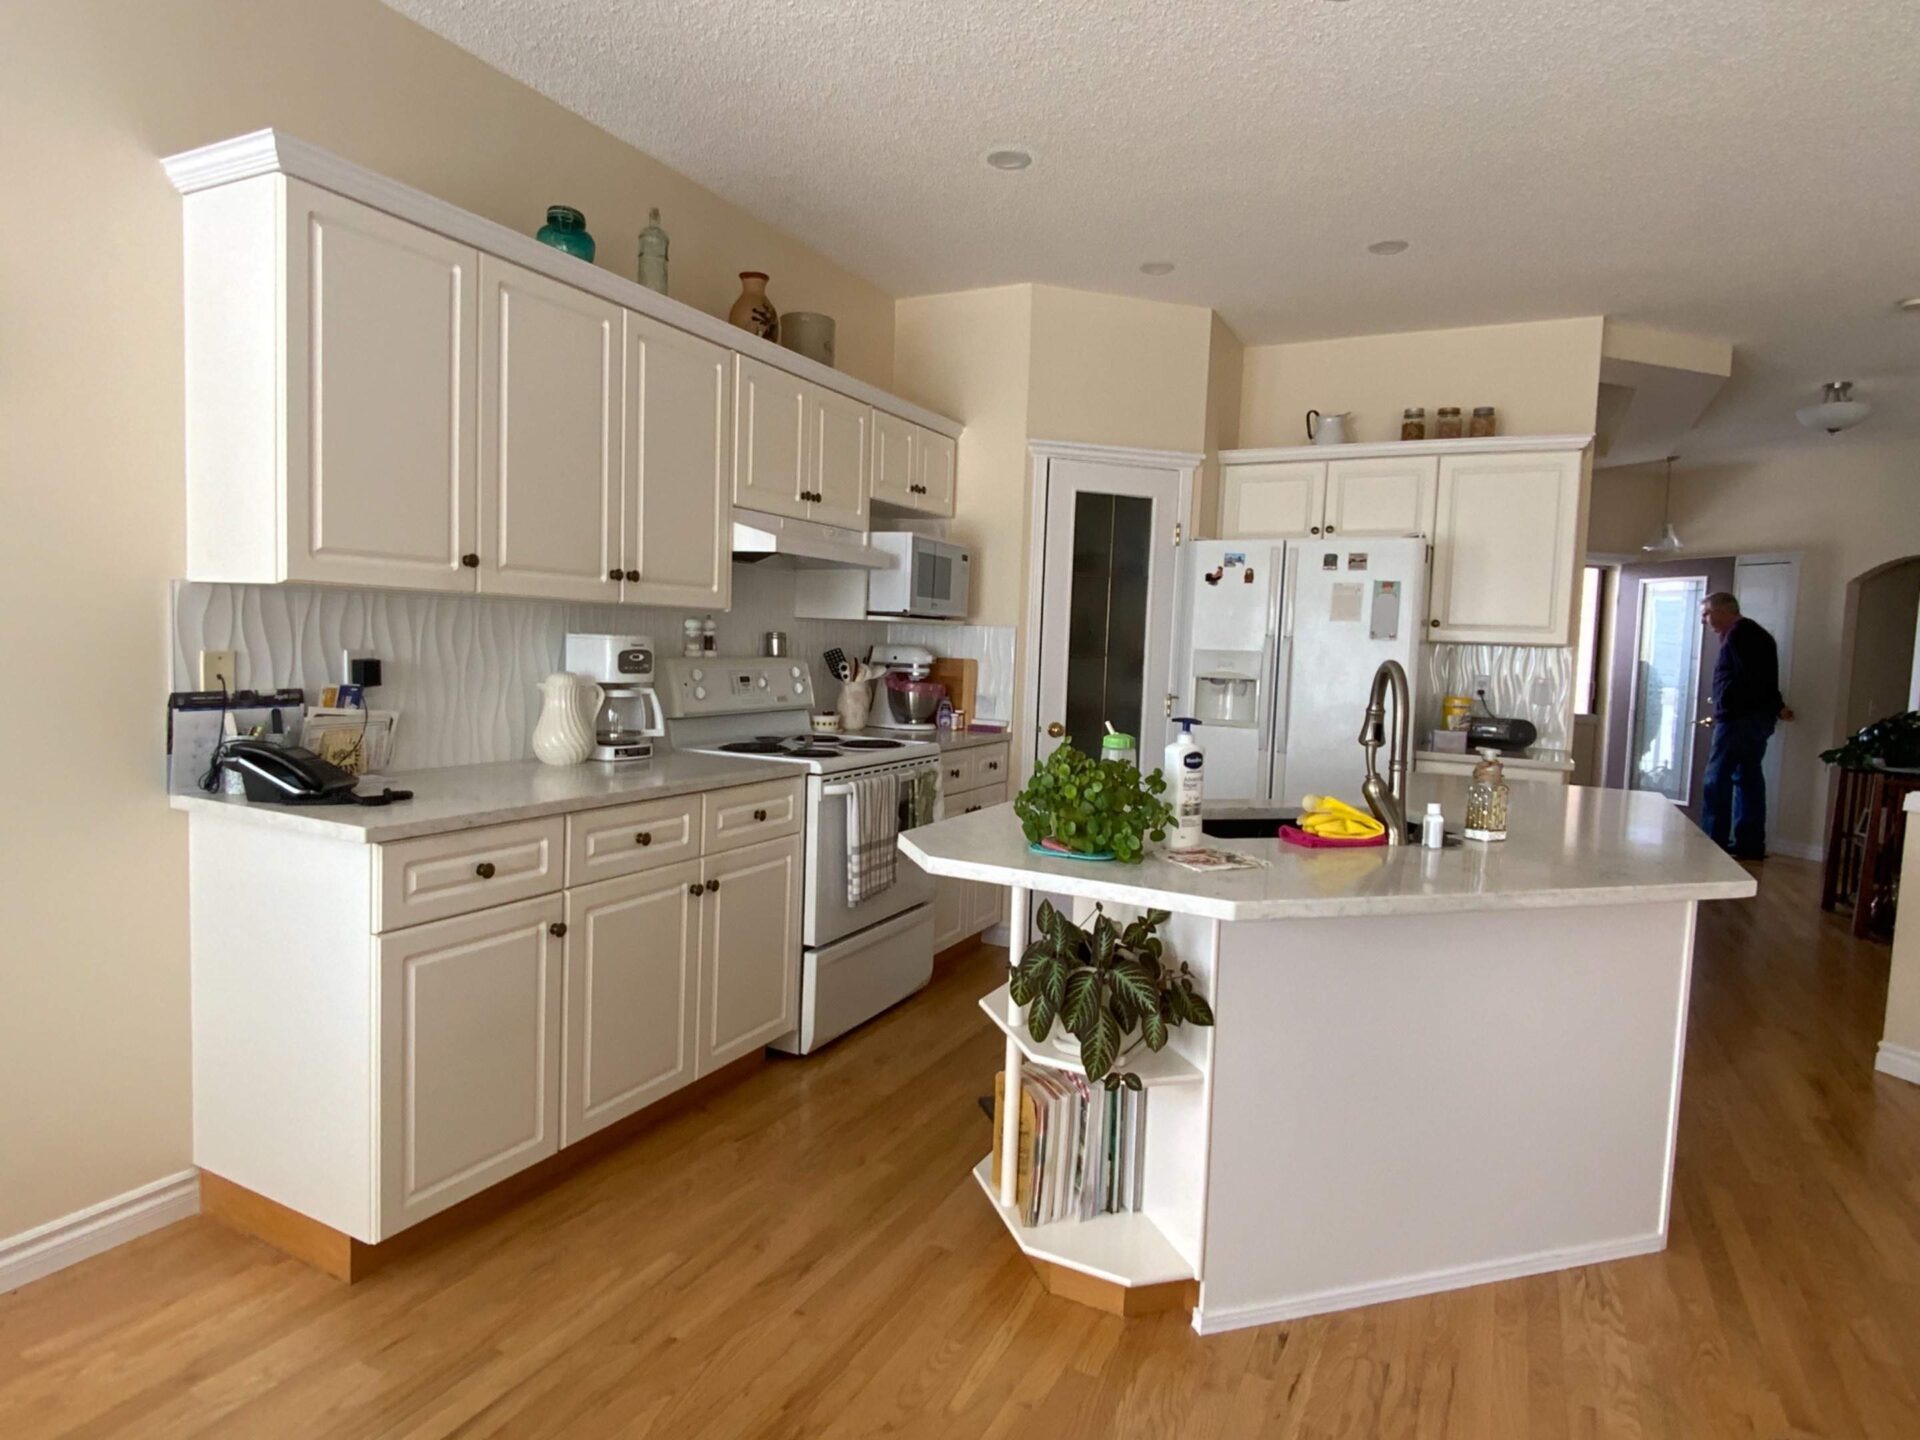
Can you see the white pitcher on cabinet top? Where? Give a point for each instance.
(1327, 429)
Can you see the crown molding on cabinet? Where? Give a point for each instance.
(269, 152)
(1113, 454)
(1394, 449)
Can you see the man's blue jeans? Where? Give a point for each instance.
(1734, 797)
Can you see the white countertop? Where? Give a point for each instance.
(969, 739)
(465, 797)
(1566, 846)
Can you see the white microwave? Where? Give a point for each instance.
(928, 580)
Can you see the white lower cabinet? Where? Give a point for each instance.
(469, 1055)
(749, 950)
(963, 908)
(633, 975)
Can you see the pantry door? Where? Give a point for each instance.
(1107, 526)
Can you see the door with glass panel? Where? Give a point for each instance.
(1106, 606)
(1663, 678)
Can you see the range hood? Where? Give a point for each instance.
(807, 543)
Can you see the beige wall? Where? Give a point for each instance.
(93, 988)
(1626, 509)
(1543, 377)
(1226, 374)
(1111, 370)
(968, 356)
(1879, 653)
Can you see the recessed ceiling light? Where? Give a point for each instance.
(1911, 305)
(1009, 159)
(1386, 247)
(1157, 267)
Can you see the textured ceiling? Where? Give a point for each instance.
(1747, 170)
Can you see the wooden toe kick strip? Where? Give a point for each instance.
(1127, 1300)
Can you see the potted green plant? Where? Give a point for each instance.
(1102, 985)
(1092, 809)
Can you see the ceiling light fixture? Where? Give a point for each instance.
(1157, 267)
(1667, 542)
(1837, 410)
(1009, 159)
(1386, 247)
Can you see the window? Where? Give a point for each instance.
(1587, 652)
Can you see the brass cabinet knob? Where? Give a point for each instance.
(1056, 730)
(558, 930)
(484, 869)
(633, 574)
(643, 837)
(712, 885)
(470, 560)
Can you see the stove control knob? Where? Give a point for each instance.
(794, 671)
(763, 682)
(699, 692)
(698, 673)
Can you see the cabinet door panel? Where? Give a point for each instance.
(938, 457)
(1381, 497)
(380, 396)
(633, 952)
(678, 521)
(769, 439)
(469, 1043)
(986, 904)
(749, 951)
(1282, 499)
(896, 461)
(950, 899)
(1505, 529)
(839, 432)
(550, 493)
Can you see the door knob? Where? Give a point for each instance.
(1055, 730)
(1705, 722)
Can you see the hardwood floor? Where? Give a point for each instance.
(805, 1255)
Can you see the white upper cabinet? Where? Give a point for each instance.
(769, 439)
(678, 529)
(550, 408)
(937, 456)
(896, 462)
(1504, 557)
(1380, 497)
(1282, 499)
(838, 431)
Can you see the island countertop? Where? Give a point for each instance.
(1565, 846)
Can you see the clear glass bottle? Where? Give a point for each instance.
(1482, 423)
(1447, 423)
(1487, 799)
(1413, 423)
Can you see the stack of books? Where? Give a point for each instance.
(1082, 1147)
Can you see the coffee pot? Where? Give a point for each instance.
(1327, 429)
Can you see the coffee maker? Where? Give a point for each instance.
(630, 718)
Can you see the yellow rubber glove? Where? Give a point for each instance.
(1330, 816)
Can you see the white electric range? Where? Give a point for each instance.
(856, 959)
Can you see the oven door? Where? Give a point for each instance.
(826, 915)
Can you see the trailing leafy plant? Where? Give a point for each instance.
(1093, 806)
(1102, 985)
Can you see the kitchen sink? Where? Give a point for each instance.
(1246, 824)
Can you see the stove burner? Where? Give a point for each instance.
(755, 747)
(811, 752)
(855, 744)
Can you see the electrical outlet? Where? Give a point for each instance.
(218, 670)
(1482, 684)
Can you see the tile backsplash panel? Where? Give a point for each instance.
(463, 671)
(1530, 681)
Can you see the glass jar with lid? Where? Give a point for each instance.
(1413, 423)
(1482, 423)
(1447, 423)
(1118, 745)
(1487, 799)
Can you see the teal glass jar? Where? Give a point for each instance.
(566, 229)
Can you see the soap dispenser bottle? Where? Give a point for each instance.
(1186, 778)
(1487, 799)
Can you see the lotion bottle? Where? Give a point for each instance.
(1186, 778)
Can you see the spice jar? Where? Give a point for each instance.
(1447, 423)
(1487, 799)
(1482, 423)
(1413, 423)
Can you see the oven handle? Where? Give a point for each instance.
(830, 791)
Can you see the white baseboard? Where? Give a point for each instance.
(1900, 1061)
(72, 1238)
(1214, 1322)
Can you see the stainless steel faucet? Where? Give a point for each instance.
(1388, 798)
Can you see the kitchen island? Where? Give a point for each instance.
(1429, 1069)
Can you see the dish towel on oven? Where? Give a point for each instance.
(873, 830)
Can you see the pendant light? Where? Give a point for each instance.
(1668, 541)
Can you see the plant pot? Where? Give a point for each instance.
(1070, 854)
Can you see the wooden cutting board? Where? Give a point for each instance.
(962, 679)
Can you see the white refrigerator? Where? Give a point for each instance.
(1275, 645)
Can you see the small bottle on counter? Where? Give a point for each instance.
(1481, 425)
(1447, 423)
(1487, 799)
(1186, 785)
(709, 637)
(1413, 423)
(690, 638)
(1433, 826)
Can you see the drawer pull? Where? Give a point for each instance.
(953, 774)
(484, 869)
(643, 837)
(993, 764)
(694, 889)
(558, 930)
(712, 885)
(759, 814)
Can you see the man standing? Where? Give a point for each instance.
(1746, 703)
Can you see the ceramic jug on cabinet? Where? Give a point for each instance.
(564, 733)
(1327, 429)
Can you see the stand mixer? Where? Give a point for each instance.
(912, 699)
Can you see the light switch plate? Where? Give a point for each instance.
(218, 670)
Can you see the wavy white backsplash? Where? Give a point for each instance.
(463, 671)
(990, 645)
(1530, 681)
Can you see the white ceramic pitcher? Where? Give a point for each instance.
(563, 735)
(1327, 429)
